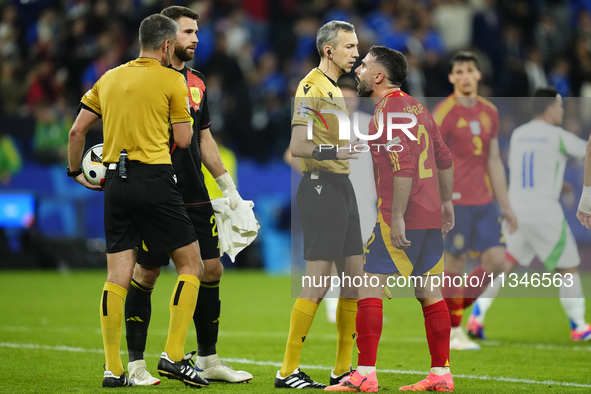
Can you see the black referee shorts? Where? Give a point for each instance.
(330, 218)
(146, 206)
(205, 226)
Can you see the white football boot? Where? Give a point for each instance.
(216, 370)
(139, 375)
(459, 340)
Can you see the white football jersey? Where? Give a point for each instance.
(537, 160)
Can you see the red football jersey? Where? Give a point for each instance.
(418, 160)
(467, 132)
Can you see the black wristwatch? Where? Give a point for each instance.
(73, 174)
(328, 152)
(315, 153)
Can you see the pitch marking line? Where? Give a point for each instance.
(283, 335)
(322, 367)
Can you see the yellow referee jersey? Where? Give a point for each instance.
(315, 93)
(138, 101)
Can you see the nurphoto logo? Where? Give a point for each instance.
(391, 118)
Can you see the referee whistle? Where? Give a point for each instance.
(123, 160)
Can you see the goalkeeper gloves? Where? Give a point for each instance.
(228, 188)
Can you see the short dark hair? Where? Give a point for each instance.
(156, 29)
(542, 99)
(393, 61)
(328, 34)
(464, 56)
(175, 12)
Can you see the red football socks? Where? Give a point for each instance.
(472, 293)
(369, 321)
(454, 298)
(437, 325)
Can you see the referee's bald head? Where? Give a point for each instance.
(156, 29)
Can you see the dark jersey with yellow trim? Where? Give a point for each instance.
(187, 162)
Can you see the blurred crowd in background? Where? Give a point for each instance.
(254, 52)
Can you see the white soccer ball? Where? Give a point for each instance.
(92, 165)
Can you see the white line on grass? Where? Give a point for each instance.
(322, 367)
(540, 346)
(283, 335)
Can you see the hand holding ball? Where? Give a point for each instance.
(92, 165)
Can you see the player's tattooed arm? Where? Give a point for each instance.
(445, 179)
(498, 180)
(401, 187)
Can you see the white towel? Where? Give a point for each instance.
(236, 229)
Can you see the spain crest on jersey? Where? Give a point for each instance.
(485, 121)
(196, 95)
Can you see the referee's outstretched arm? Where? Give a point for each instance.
(84, 121)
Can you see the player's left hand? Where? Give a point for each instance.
(510, 218)
(584, 218)
(234, 197)
(398, 234)
(449, 222)
(228, 188)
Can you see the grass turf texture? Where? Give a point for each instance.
(50, 339)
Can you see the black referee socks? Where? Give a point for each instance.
(138, 310)
(206, 318)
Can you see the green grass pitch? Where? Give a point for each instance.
(50, 339)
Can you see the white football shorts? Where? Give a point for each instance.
(551, 240)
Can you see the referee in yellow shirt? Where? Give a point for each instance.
(327, 205)
(138, 102)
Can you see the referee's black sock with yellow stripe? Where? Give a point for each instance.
(207, 318)
(138, 310)
(182, 309)
(111, 310)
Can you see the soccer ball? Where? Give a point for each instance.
(92, 165)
